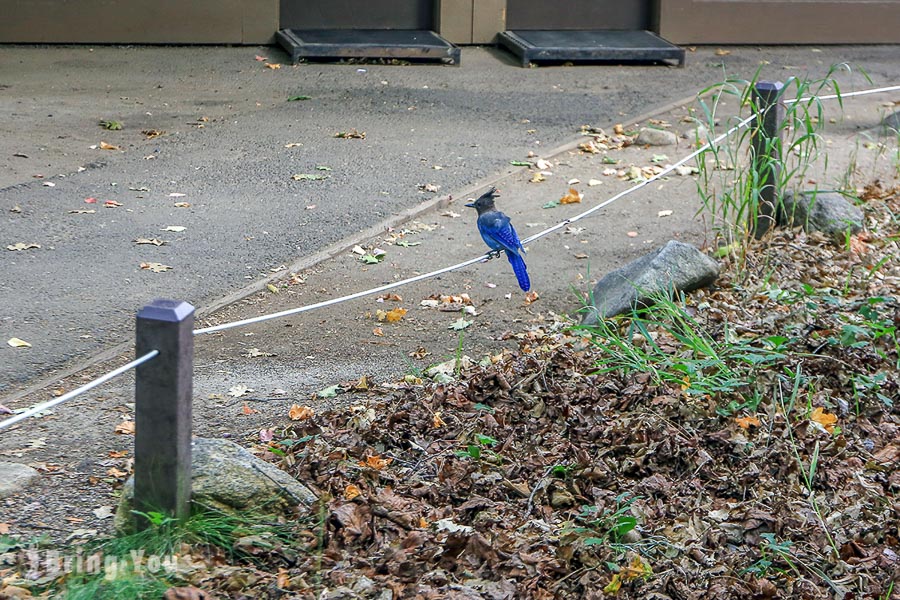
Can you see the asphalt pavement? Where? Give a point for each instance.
(246, 174)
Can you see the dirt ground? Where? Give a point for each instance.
(247, 378)
(284, 361)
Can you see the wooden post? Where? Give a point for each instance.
(163, 390)
(766, 152)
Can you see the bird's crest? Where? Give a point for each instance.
(485, 201)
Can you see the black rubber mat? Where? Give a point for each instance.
(532, 46)
(407, 44)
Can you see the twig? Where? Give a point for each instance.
(537, 486)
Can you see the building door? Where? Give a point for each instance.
(779, 21)
(354, 14)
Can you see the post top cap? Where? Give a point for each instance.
(769, 85)
(163, 309)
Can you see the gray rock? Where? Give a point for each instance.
(14, 477)
(227, 477)
(650, 136)
(891, 122)
(676, 265)
(698, 134)
(828, 212)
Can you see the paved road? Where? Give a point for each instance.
(424, 124)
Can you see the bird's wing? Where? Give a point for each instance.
(498, 228)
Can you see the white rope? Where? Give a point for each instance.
(540, 234)
(77, 392)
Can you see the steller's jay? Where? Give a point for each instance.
(499, 234)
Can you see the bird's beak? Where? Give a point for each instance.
(471, 205)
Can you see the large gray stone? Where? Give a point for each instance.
(14, 477)
(891, 123)
(675, 266)
(650, 136)
(227, 477)
(828, 212)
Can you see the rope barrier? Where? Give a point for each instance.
(77, 392)
(484, 257)
(668, 169)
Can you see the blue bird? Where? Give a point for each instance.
(499, 234)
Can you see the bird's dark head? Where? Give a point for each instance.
(485, 202)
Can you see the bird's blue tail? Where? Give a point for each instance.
(518, 265)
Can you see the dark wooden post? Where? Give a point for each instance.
(163, 390)
(766, 152)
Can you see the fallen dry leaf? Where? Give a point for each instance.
(746, 422)
(826, 420)
(391, 316)
(182, 204)
(246, 410)
(19, 246)
(300, 413)
(722, 52)
(352, 134)
(571, 197)
(156, 267)
(531, 297)
(237, 391)
(17, 343)
(125, 428)
(150, 241)
(351, 491)
(256, 352)
(111, 204)
(537, 178)
(273, 66)
(376, 462)
(105, 146)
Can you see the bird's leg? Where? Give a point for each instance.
(494, 254)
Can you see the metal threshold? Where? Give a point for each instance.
(406, 44)
(616, 46)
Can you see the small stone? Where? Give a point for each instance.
(650, 136)
(824, 211)
(14, 477)
(891, 122)
(697, 135)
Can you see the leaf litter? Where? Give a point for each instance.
(547, 472)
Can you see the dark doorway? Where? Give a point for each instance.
(356, 14)
(634, 15)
